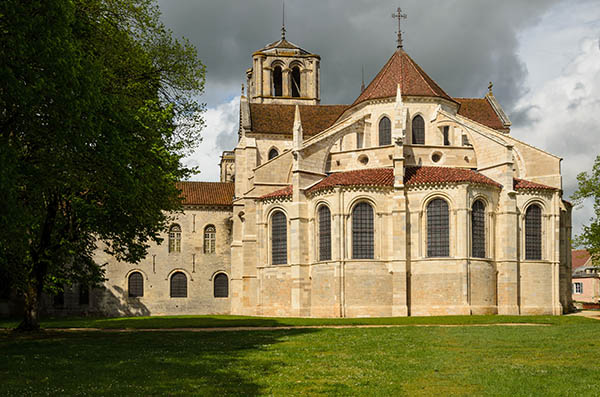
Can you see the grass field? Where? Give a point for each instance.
(560, 359)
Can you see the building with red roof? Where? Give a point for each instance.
(405, 202)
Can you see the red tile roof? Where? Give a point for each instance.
(481, 111)
(279, 119)
(579, 258)
(422, 175)
(207, 193)
(523, 184)
(368, 177)
(401, 69)
(285, 192)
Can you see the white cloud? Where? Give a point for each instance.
(219, 134)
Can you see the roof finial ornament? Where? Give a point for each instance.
(362, 85)
(242, 89)
(490, 85)
(399, 15)
(283, 22)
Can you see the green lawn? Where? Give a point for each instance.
(561, 359)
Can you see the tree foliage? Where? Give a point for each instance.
(98, 105)
(589, 188)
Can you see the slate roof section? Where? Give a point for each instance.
(207, 193)
(401, 69)
(279, 119)
(579, 258)
(481, 111)
(285, 192)
(521, 184)
(428, 175)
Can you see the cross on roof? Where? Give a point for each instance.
(399, 15)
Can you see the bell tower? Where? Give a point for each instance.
(284, 73)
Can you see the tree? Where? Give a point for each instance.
(589, 187)
(97, 108)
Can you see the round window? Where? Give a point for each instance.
(436, 157)
(363, 159)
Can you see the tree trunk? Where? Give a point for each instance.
(31, 316)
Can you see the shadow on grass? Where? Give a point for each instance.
(169, 363)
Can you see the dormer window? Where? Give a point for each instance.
(277, 81)
(273, 153)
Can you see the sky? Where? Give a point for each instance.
(543, 57)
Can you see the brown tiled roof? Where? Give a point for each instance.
(207, 193)
(368, 177)
(401, 69)
(422, 175)
(579, 258)
(412, 176)
(279, 119)
(523, 184)
(481, 111)
(285, 192)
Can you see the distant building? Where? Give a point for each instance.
(586, 278)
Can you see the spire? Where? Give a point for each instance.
(362, 85)
(490, 87)
(283, 23)
(297, 129)
(399, 15)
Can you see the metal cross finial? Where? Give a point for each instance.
(399, 15)
(490, 87)
(283, 23)
(362, 86)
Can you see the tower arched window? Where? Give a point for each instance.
(210, 239)
(418, 130)
(135, 284)
(221, 286)
(175, 238)
(478, 229)
(273, 153)
(362, 231)
(278, 238)
(324, 233)
(295, 80)
(277, 81)
(438, 228)
(385, 132)
(533, 232)
(178, 285)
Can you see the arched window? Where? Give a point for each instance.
(385, 132)
(438, 228)
(175, 238)
(296, 81)
(135, 284)
(278, 238)
(418, 130)
(210, 239)
(221, 286)
(178, 285)
(277, 81)
(324, 233)
(362, 231)
(273, 153)
(533, 232)
(478, 229)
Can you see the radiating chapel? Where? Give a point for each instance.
(407, 202)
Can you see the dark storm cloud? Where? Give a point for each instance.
(461, 44)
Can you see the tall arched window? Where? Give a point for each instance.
(533, 232)
(438, 228)
(221, 286)
(295, 81)
(385, 132)
(278, 238)
(135, 284)
(175, 238)
(273, 153)
(178, 285)
(362, 231)
(478, 229)
(418, 130)
(324, 233)
(210, 239)
(277, 81)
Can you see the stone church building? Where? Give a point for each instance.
(407, 202)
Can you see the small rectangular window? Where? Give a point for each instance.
(465, 141)
(578, 288)
(359, 140)
(446, 136)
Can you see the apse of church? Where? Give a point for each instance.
(407, 201)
